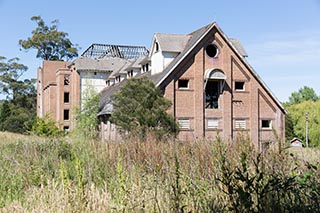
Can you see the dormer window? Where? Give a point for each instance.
(118, 78)
(130, 74)
(157, 46)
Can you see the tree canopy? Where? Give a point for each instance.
(50, 43)
(140, 108)
(304, 94)
(303, 102)
(17, 112)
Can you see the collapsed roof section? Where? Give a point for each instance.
(100, 51)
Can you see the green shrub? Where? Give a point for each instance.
(46, 127)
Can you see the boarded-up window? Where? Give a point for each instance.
(184, 123)
(213, 123)
(240, 124)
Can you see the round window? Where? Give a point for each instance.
(212, 50)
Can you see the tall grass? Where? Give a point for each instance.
(74, 175)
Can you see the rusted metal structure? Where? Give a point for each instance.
(100, 51)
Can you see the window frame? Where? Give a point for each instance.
(182, 87)
(269, 124)
(68, 97)
(208, 50)
(243, 86)
(66, 117)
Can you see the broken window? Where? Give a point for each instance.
(66, 80)
(212, 94)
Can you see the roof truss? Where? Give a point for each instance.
(100, 51)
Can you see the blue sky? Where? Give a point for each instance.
(282, 37)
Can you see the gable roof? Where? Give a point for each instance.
(196, 37)
(237, 44)
(190, 42)
(171, 42)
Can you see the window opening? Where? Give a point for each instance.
(239, 86)
(183, 84)
(212, 51)
(66, 80)
(66, 129)
(157, 46)
(66, 114)
(212, 94)
(266, 124)
(130, 73)
(66, 97)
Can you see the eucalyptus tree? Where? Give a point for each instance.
(50, 43)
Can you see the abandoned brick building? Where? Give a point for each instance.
(205, 75)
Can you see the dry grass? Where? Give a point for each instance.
(63, 175)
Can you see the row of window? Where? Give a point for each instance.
(184, 84)
(214, 123)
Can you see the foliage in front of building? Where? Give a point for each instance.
(140, 108)
(86, 116)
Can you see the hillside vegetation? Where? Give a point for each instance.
(74, 175)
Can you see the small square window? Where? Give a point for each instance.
(239, 86)
(66, 98)
(66, 115)
(183, 84)
(266, 124)
(184, 123)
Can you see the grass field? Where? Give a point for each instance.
(77, 175)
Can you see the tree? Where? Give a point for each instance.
(17, 112)
(86, 118)
(139, 108)
(297, 114)
(50, 43)
(304, 94)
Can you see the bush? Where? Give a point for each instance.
(46, 127)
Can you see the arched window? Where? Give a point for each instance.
(214, 83)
